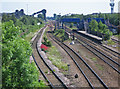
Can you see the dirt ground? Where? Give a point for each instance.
(107, 74)
(74, 82)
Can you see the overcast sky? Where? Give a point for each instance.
(59, 6)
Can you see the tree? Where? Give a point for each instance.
(13, 18)
(94, 26)
(40, 16)
(71, 25)
(4, 17)
(100, 26)
(9, 31)
(16, 69)
(25, 20)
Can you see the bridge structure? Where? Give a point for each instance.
(70, 20)
(43, 12)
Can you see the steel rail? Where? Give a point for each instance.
(51, 85)
(104, 47)
(52, 70)
(99, 55)
(87, 66)
(76, 64)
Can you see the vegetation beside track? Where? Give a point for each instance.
(118, 36)
(45, 39)
(29, 36)
(56, 58)
(17, 71)
(53, 53)
(60, 34)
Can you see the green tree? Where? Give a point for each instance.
(40, 16)
(16, 69)
(13, 18)
(100, 26)
(4, 18)
(71, 25)
(94, 26)
(25, 20)
(9, 31)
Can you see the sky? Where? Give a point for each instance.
(58, 6)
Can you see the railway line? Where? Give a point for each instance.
(92, 78)
(94, 48)
(50, 76)
(111, 53)
(112, 62)
(102, 48)
(116, 41)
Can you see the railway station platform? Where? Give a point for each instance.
(90, 35)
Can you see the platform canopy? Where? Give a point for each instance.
(70, 20)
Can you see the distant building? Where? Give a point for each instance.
(17, 13)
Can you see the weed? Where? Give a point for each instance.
(110, 42)
(55, 57)
(93, 59)
(99, 67)
(46, 71)
(53, 70)
(50, 71)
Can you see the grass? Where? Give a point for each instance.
(46, 71)
(118, 36)
(110, 42)
(55, 57)
(45, 33)
(93, 59)
(53, 70)
(65, 73)
(72, 27)
(29, 36)
(99, 67)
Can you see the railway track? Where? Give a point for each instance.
(47, 72)
(104, 54)
(111, 53)
(102, 48)
(92, 78)
(95, 50)
(116, 41)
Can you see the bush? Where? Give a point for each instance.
(47, 42)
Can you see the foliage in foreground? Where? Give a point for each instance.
(16, 69)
